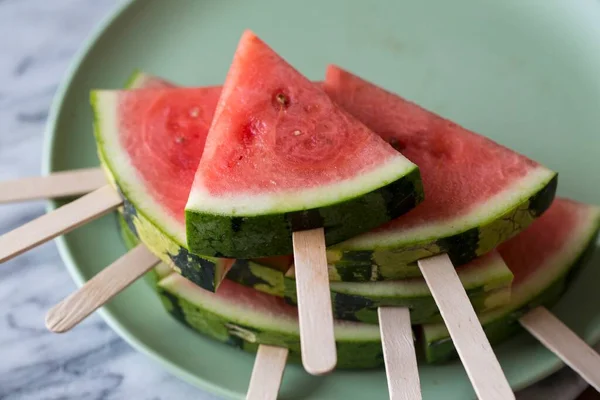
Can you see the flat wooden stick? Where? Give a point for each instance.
(100, 289)
(267, 373)
(563, 342)
(59, 221)
(399, 353)
(57, 185)
(472, 345)
(317, 340)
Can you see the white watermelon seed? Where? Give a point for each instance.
(194, 112)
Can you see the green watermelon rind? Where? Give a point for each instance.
(463, 241)
(488, 287)
(158, 236)
(503, 323)
(269, 234)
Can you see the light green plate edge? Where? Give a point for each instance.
(136, 314)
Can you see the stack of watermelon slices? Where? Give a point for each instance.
(478, 194)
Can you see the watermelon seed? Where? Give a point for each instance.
(194, 112)
(179, 139)
(282, 99)
(297, 133)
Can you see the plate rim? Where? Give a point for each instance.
(48, 149)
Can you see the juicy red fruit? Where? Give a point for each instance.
(275, 131)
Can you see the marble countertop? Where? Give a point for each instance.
(38, 39)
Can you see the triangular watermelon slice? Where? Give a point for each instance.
(150, 141)
(542, 259)
(281, 156)
(478, 193)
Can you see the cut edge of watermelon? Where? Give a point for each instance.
(249, 205)
(243, 313)
(490, 273)
(536, 283)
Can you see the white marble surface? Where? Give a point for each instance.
(38, 39)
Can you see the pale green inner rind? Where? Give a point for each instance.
(547, 275)
(137, 80)
(297, 199)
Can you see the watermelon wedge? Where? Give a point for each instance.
(149, 142)
(543, 259)
(478, 193)
(281, 156)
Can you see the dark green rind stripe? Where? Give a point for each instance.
(269, 235)
(442, 349)
(399, 262)
(352, 354)
(423, 309)
(257, 276)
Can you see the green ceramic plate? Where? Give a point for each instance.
(525, 74)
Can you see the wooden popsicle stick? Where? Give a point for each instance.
(59, 184)
(59, 221)
(472, 345)
(317, 340)
(267, 373)
(399, 353)
(563, 342)
(100, 289)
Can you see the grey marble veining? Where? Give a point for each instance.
(38, 39)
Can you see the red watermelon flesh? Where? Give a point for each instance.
(460, 169)
(274, 130)
(163, 132)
